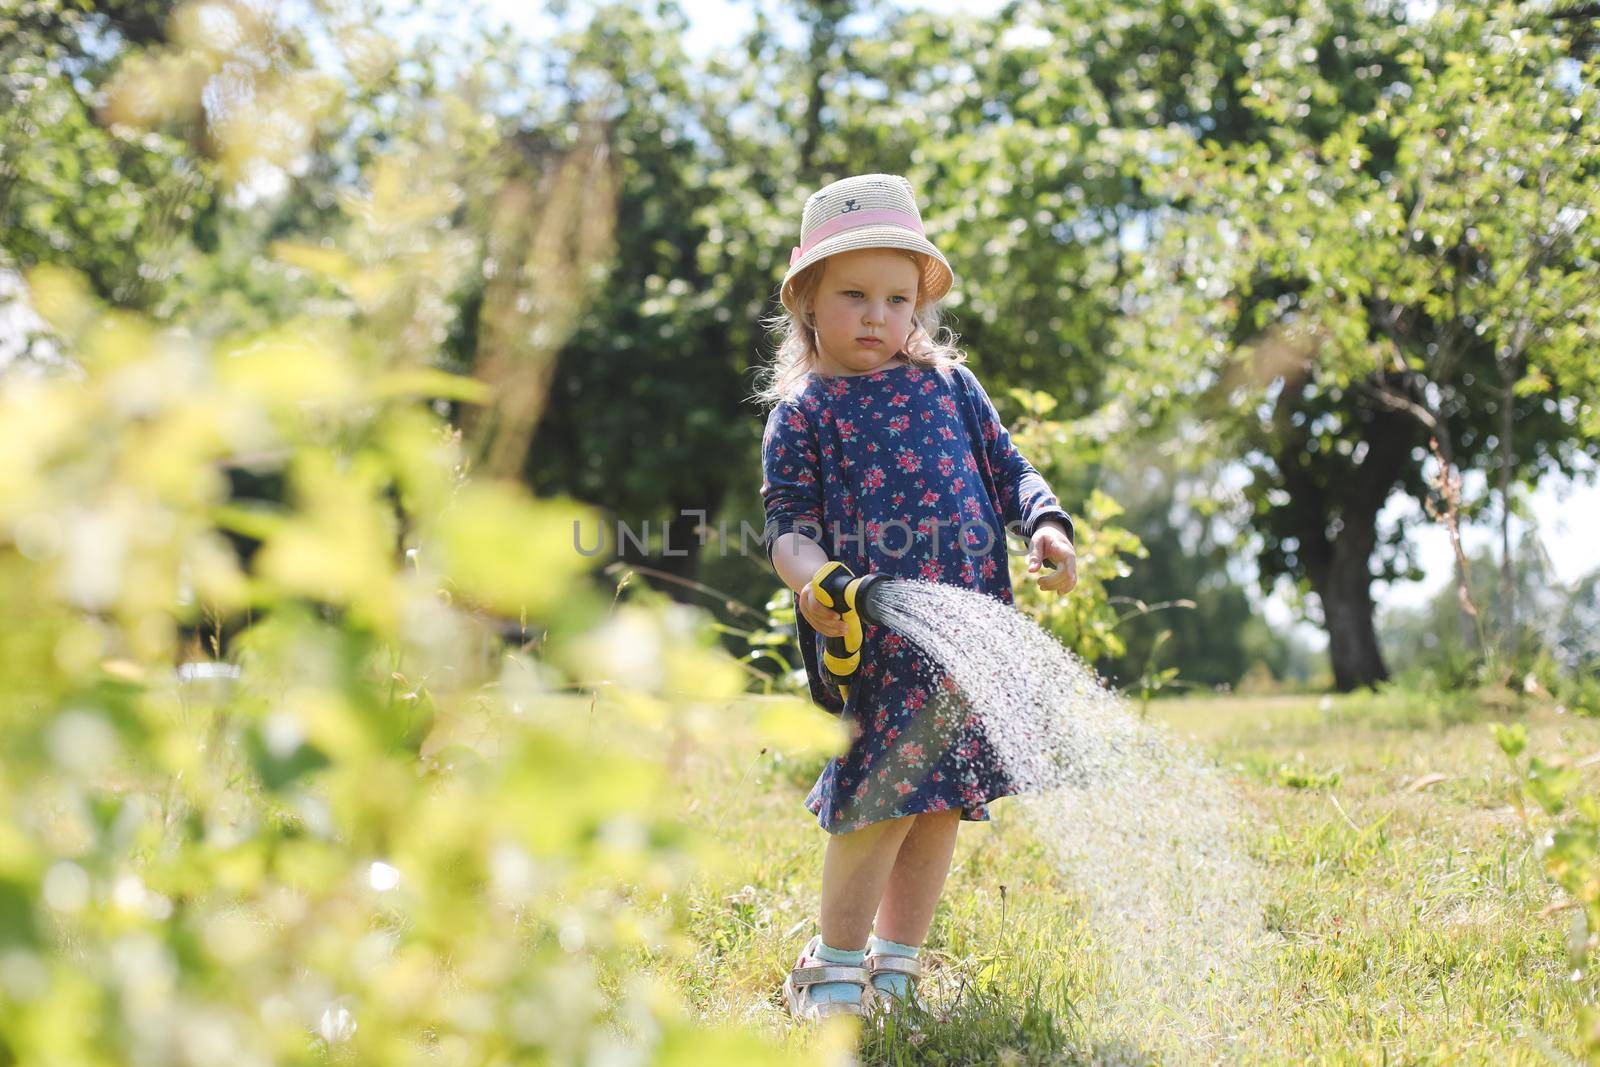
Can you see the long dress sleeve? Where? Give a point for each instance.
(1025, 497)
(792, 493)
(791, 476)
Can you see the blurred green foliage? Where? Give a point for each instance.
(277, 789)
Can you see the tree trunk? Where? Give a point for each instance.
(1340, 571)
(1335, 520)
(1345, 590)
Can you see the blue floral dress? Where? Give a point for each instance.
(907, 471)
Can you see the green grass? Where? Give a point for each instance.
(1404, 912)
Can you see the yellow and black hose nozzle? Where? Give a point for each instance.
(834, 586)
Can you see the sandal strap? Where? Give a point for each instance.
(830, 972)
(824, 1010)
(895, 964)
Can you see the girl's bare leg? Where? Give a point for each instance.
(855, 870)
(917, 879)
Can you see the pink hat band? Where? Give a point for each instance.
(860, 212)
(838, 224)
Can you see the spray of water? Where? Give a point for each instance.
(1143, 826)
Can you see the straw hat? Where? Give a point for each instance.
(865, 211)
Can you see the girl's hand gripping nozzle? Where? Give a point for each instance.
(836, 587)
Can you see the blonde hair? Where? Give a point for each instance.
(931, 344)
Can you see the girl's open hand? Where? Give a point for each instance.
(825, 621)
(1050, 542)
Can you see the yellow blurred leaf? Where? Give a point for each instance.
(393, 200)
(61, 297)
(318, 259)
(641, 710)
(509, 551)
(428, 381)
(238, 869)
(373, 286)
(275, 127)
(330, 723)
(1534, 382)
(126, 670)
(215, 575)
(832, 1043)
(340, 544)
(36, 419)
(1102, 507)
(796, 727)
(423, 452)
(114, 339)
(250, 520)
(17, 850)
(172, 458)
(219, 27)
(703, 674)
(152, 88)
(287, 371)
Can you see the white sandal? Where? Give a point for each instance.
(883, 963)
(809, 971)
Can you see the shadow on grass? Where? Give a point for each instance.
(992, 1027)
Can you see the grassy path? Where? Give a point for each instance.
(1405, 907)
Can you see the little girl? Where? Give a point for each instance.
(883, 452)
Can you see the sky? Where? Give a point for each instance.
(1567, 514)
(717, 23)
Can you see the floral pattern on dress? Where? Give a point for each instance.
(909, 472)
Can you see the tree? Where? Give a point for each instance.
(1345, 297)
(116, 203)
(643, 394)
(1097, 117)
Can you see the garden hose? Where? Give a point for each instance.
(834, 586)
